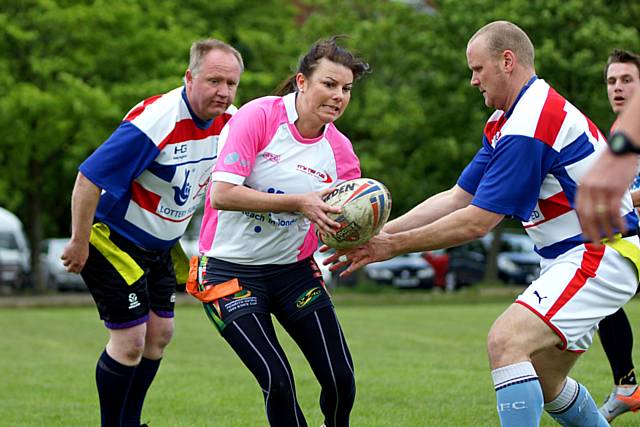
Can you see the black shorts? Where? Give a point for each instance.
(289, 291)
(121, 305)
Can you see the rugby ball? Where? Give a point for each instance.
(365, 204)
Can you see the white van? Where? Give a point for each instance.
(15, 256)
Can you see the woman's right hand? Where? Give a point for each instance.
(315, 209)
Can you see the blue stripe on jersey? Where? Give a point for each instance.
(631, 220)
(513, 176)
(579, 149)
(558, 248)
(120, 159)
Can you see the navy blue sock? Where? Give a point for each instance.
(113, 380)
(142, 379)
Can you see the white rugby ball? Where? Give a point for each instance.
(365, 204)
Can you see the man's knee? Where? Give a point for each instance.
(503, 348)
(127, 345)
(159, 335)
(516, 335)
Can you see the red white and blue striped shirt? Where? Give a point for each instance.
(530, 163)
(154, 169)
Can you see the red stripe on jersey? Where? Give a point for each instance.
(551, 118)
(144, 198)
(554, 206)
(595, 132)
(493, 127)
(590, 261)
(186, 130)
(140, 108)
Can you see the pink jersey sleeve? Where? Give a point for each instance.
(249, 131)
(347, 163)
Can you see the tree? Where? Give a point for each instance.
(64, 91)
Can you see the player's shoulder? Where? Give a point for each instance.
(264, 103)
(158, 111)
(333, 134)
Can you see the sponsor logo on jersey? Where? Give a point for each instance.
(275, 158)
(308, 297)
(133, 301)
(181, 194)
(202, 182)
(180, 151)
(174, 214)
(495, 138)
(231, 158)
(322, 176)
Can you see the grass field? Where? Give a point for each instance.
(420, 360)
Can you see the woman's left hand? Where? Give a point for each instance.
(315, 209)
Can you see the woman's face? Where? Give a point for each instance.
(325, 94)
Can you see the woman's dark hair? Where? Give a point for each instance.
(325, 48)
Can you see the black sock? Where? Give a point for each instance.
(142, 379)
(617, 341)
(113, 380)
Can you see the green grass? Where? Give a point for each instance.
(420, 360)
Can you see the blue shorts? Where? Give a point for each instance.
(289, 291)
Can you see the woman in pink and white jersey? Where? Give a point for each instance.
(277, 157)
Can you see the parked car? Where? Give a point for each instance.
(15, 256)
(56, 276)
(467, 265)
(517, 261)
(404, 271)
(439, 260)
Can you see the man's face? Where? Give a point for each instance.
(213, 87)
(486, 74)
(623, 80)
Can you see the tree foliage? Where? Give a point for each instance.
(70, 69)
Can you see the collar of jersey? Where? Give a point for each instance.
(292, 114)
(202, 124)
(522, 91)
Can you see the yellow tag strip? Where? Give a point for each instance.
(626, 249)
(119, 259)
(180, 263)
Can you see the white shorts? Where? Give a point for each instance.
(578, 289)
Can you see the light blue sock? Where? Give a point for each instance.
(574, 407)
(519, 395)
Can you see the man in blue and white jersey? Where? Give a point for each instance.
(535, 149)
(132, 201)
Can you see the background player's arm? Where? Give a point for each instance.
(84, 201)
(432, 209)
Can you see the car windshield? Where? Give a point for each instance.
(8, 241)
